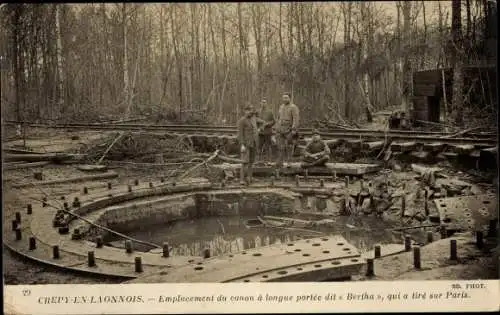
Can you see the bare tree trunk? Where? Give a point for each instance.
(346, 10)
(174, 33)
(280, 35)
(406, 84)
(60, 72)
(457, 61)
(16, 17)
(422, 64)
(126, 84)
(257, 27)
(366, 48)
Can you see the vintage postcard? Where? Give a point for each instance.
(256, 157)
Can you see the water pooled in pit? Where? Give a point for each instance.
(225, 235)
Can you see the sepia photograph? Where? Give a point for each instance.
(249, 142)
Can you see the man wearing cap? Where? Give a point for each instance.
(266, 121)
(317, 152)
(287, 127)
(248, 137)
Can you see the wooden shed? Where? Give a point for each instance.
(430, 94)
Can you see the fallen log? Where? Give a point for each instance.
(415, 227)
(17, 166)
(296, 168)
(92, 168)
(19, 151)
(290, 221)
(48, 157)
(106, 175)
(120, 135)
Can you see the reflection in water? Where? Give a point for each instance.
(229, 234)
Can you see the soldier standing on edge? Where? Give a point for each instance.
(287, 128)
(248, 138)
(266, 129)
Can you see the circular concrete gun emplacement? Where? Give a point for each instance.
(39, 233)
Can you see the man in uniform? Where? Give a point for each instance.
(287, 128)
(317, 152)
(248, 138)
(266, 121)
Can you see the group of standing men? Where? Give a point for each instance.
(259, 131)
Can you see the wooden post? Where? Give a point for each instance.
(403, 205)
(430, 237)
(166, 250)
(19, 235)
(29, 209)
(407, 243)
(377, 251)
(91, 259)
(55, 252)
(129, 246)
(99, 241)
(370, 272)
(297, 180)
(76, 202)
(14, 225)
(138, 264)
(85, 190)
(453, 250)
(479, 239)
(443, 232)
(32, 243)
(206, 253)
(426, 205)
(492, 228)
(416, 257)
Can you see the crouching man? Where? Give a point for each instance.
(248, 137)
(317, 152)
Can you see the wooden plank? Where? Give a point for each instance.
(463, 149)
(296, 168)
(55, 157)
(375, 145)
(421, 156)
(20, 151)
(434, 147)
(403, 146)
(17, 166)
(106, 175)
(354, 144)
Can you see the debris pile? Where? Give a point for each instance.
(399, 197)
(140, 147)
